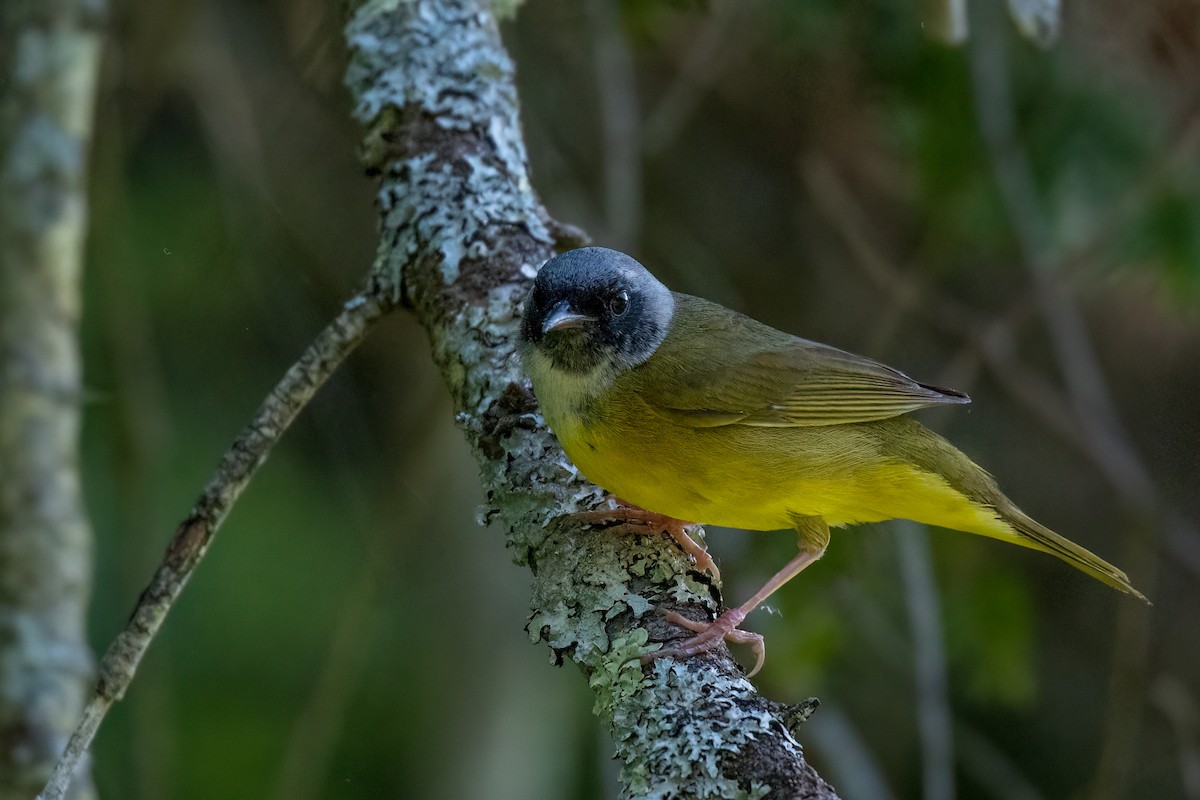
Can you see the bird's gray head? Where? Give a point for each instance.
(596, 307)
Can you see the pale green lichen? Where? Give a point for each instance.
(583, 585)
(443, 60)
(675, 732)
(618, 675)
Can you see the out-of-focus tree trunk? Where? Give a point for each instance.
(49, 54)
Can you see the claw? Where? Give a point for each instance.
(635, 520)
(709, 635)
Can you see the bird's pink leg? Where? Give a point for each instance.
(814, 536)
(631, 519)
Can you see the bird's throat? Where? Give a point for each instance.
(566, 397)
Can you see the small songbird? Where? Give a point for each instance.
(692, 411)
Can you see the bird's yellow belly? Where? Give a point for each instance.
(759, 478)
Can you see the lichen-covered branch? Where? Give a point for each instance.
(49, 57)
(463, 230)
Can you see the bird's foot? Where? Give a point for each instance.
(630, 519)
(709, 635)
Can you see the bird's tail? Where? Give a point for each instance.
(992, 514)
(1036, 536)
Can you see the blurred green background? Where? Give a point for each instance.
(820, 165)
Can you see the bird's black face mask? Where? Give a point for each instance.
(584, 312)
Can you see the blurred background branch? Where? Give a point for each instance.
(934, 724)
(49, 65)
(1091, 401)
(947, 21)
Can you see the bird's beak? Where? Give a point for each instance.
(562, 316)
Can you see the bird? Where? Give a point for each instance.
(690, 412)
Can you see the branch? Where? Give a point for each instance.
(49, 58)
(464, 230)
(193, 536)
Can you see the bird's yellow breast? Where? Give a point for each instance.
(744, 476)
(757, 478)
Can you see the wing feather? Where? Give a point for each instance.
(750, 374)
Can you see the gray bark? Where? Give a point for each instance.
(49, 53)
(463, 232)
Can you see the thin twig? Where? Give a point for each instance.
(239, 464)
(1014, 177)
(929, 662)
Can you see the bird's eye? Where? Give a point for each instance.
(619, 303)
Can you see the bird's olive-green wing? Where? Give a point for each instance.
(718, 367)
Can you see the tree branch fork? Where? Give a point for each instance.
(461, 235)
